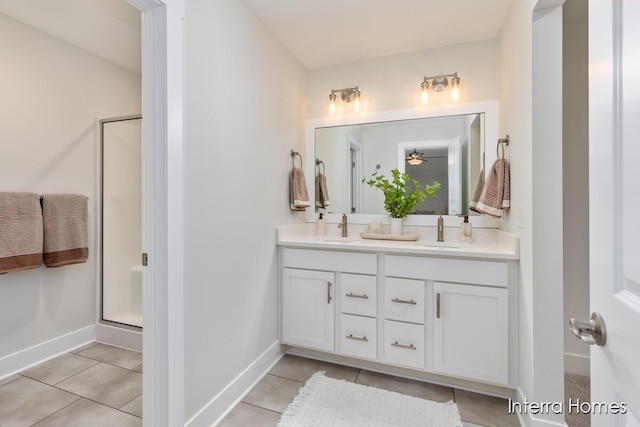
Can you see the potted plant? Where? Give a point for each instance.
(399, 200)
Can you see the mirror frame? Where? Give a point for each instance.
(490, 108)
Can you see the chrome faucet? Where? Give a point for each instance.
(343, 225)
(440, 229)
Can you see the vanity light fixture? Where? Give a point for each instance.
(439, 84)
(348, 94)
(415, 158)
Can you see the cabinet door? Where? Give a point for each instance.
(471, 332)
(308, 308)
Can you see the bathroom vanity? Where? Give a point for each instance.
(439, 311)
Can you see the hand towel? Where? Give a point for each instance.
(65, 229)
(322, 195)
(477, 192)
(496, 193)
(20, 231)
(299, 198)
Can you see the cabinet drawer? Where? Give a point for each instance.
(404, 300)
(347, 262)
(404, 344)
(358, 295)
(358, 336)
(491, 273)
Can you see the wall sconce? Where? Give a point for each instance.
(349, 94)
(439, 84)
(414, 158)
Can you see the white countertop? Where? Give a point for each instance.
(486, 243)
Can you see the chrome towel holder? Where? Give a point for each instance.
(293, 158)
(501, 143)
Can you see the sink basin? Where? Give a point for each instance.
(440, 245)
(336, 239)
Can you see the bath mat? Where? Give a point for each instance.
(329, 402)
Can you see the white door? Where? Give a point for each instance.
(614, 206)
(455, 177)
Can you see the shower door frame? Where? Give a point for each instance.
(100, 229)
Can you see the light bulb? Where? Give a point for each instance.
(455, 93)
(424, 89)
(332, 103)
(356, 102)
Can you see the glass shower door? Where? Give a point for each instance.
(121, 233)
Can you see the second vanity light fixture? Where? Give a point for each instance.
(439, 84)
(348, 94)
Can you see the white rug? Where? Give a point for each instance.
(329, 402)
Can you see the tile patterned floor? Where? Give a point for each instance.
(96, 385)
(264, 404)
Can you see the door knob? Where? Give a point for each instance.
(592, 331)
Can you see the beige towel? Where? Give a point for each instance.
(477, 192)
(20, 231)
(65, 229)
(322, 195)
(299, 198)
(496, 193)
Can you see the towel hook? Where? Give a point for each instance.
(318, 163)
(293, 158)
(501, 143)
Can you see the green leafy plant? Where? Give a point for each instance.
(398, 200)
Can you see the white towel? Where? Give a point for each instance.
(20, 231)
(496, 194)
(299, 197)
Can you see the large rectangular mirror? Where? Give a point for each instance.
(449, 143)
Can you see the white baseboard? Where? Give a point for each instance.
(23, 359)
(577, 364)
(119, 337)
(218, 407)
(531, 420)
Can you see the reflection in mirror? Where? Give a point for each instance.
(447, 149)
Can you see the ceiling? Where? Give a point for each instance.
(109, 29)
(327, 32)
(317, 32)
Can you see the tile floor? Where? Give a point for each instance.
(96, 385)
(264, 404)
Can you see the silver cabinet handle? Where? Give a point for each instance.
(402, 301)
(408, 347)
(351, 337)
(352, 295)
(592, 331)
(328, 292)
(438, 305)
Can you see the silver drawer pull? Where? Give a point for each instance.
(402, 301)
(351, 337)
(408, 347)
(352, 295)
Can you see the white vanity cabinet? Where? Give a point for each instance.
(312, 281)
(446, 316)
(308, 308)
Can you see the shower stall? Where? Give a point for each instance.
(121, 221)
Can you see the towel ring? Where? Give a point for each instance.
(318, 163)
(501, 143)
(293, 158)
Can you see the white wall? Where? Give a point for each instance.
(52, 93)
(244, 110)
(576, 180)
(393, 82)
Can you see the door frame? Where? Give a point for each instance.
(162, 206)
